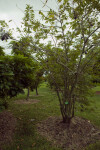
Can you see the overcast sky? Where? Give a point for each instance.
(14, 10)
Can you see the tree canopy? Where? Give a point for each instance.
(72, 34)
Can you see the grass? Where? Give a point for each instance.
(92, 111)
(96, 88)
(27, 137)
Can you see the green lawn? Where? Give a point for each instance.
(27, 137)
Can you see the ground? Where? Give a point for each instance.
(7, 127)
(78, 135)
(98, 92)
(30, 101)
(8, 123)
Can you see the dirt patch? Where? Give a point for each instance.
(78, 135)
(7, 127)
(30, 101)
(37, 95)
(98, 92)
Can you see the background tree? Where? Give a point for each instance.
(5, 32)
(2, 53)
(38, 78)
(24, 70)
(23, 47)
(96, 70)
(16, 73)
(9, 87)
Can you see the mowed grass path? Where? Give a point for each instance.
(26, 135)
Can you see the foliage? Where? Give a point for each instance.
(23, 69)
(22, 47)
(9, 87)
(5, 32)
(37, 77)
(68, 56)
(1, 51)
(16, 73)
(96, 70)
(26, 47)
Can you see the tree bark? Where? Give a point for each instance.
(36, 91)
(28, 92)
(5, 105)
(67, 111)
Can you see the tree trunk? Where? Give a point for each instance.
(36, 91)
(67, 111)
(66, 117)
(28, 92)
(5, 104)
(67, 120)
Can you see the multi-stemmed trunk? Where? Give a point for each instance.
(67, 107)
(67, 110)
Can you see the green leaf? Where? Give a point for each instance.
(61, 6)
(59, 1)
(51, 16)
(40, 12)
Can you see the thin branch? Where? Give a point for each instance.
(65, 47)
(91, 34)
(54, 40)
(44, 4)
(89, 61)
(19, 8)
(65, 66)
(88, 48)
(41, 10)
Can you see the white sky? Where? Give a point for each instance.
(14, 10)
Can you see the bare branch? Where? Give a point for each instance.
(45, 3)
